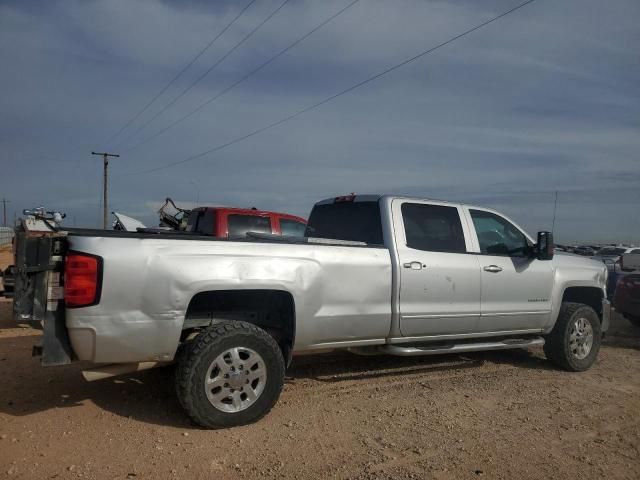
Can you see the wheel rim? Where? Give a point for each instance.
(581, 338)
(235, 379)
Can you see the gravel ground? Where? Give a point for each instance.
(493, 415)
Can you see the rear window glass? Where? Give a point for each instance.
(292, 227)
(240, 225)
(354, 221)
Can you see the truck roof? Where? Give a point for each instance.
(251, 211)
(374, 197)
(388, 197)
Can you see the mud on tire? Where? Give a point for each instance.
(566, 345)
(230, 374)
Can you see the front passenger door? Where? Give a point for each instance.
(516, 287)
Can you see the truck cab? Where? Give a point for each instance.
(224, 222)
(459, 270)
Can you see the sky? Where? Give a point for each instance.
(545, 99)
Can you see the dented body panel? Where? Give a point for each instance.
(341, 294)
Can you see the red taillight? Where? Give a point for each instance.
(81, 280)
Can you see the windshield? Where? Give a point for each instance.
(355, 221)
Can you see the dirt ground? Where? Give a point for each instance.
(494, 415)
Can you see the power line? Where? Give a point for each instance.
(184, 69)
(336, 95)
(207, 72)
(242, 79)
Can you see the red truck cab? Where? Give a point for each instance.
(224, 222)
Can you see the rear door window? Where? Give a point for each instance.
(240, 225)
(433, 228)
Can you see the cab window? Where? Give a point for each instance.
(292, 227)
(240, 225)
(201, 221)
(353, 221)
(433, 228)
(498, 236)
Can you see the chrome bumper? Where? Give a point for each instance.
(606, 314)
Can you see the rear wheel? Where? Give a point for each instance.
(231, 374)
(574, 342)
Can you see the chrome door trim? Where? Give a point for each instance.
(443, 315)
(514, 314)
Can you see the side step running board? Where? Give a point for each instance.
(461, 347)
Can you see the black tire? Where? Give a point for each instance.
(203, 351)
(635, 321)
(557, 348)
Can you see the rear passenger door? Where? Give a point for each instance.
(439, 280)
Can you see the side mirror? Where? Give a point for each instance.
(544, 247)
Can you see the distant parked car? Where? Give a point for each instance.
(612, 258)
(630, 262)
(627, 297)
(226, 222)
(611, 255)
(583, 250)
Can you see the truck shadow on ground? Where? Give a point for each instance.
(622, 334)
(149, 396)
(340, 367)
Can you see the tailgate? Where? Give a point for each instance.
(38, 292)
(630, 262)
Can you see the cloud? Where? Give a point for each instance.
(546, 99)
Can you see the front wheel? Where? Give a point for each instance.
(574, 342)
(230, 374)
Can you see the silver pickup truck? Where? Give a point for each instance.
(375, 274)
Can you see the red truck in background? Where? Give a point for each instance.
(227, 222)
(626, 298)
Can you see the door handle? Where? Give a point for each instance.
(414, 265)
(492, 268)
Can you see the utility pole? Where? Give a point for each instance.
(105, 158)
(555, 206)
(4, 211)
(197, 192)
